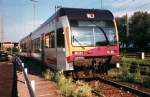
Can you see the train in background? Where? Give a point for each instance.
(75, 39)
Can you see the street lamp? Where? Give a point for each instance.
(34, 1)
(1, 31)
(101, 3)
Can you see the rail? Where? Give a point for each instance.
(31, 90)
(126, 88)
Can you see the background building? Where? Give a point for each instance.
(8, 45)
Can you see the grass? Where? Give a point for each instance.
(136, 61)
(67, 87)
(82, 89)
(146, 82)
(135, 77)
(48, 75)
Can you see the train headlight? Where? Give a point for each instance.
(110, 52)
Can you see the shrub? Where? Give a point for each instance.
(49, 75)
(83, 90)
(137, 78)
(146, 82)
(125, 75)
(137, 66)
(67, 87)
(57, 77)
(113, 72)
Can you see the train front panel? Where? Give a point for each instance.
(90, 42)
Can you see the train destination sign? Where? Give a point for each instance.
(90, 15)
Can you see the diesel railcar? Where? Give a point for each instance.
(74, 39)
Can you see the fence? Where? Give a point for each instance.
(140, 55)
(30, 85)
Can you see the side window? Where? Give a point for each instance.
(47, 41)
(33, 43)
(60, 38)
(52, 40)
(36, 44)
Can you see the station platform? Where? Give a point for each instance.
(6, 79)
(43, 88)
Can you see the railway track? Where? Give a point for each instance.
(107, 88)
(126, 88)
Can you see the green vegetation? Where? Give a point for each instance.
(139, 31)
(146, 82)
(12, 50)
(136, 61)
(67, 87)
(113, 72)
(130, 64)
(48, 75)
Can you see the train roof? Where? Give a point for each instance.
(80, 14)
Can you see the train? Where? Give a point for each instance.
(75, 39)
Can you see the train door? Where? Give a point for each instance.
(49, 55)
(61, 54)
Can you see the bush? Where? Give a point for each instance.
(125, 73)
(70, 89)
(83, 90)
(67, 87)
(113, 72)
(14, 50)
(49, 75)
(137, 78)
(146, 82)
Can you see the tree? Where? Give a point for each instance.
(121, 30)
(140, 29)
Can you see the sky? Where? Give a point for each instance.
(18, 15)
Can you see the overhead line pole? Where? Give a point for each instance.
(2, 31)
(127, 26)
(101, 4)
(34, 7)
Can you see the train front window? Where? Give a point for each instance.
(95, 33)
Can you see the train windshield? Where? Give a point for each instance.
(93, 33)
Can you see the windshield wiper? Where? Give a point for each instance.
(78, 42)
(102, 31)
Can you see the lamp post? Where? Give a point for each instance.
(2, 31)
(101, 4)
(33, 1)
